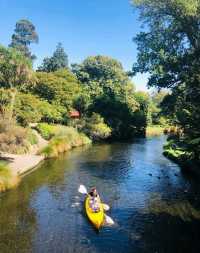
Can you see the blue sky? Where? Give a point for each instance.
(85, 27)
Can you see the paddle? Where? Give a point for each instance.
(82, 189)
(109, 220)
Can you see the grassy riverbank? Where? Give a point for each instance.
(60, 139)
(63, 139)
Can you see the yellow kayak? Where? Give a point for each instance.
(96, 219)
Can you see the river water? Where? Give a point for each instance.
(155, 207)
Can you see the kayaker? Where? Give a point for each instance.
(94, 200)
(93, 192)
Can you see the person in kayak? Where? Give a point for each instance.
(93, 192)
(94, 200)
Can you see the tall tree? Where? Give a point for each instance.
(169, 50)
(58, 61)
(15, 71)
(24, 35)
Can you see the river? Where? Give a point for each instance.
(156, 208)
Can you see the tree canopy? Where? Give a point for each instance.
(169, 49)
(24, 34)
(100, 68)
(58, 61)
(15, 68)
(111, 94)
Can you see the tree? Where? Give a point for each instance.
(112, 95)
(31, 109)
(24, 35)
(155, 108)
(60, 87)
(169, 50)
(58, 61)
(15, 71)
(100, 68)
(96, 128)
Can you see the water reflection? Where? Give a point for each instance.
(180, 209)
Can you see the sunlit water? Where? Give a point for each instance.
(155, 207)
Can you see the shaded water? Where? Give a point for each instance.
(155, 207)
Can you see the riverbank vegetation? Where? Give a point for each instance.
(68, 105)
(8, 180)
(155, 130)
(62, 139)
(99, 89)
(169, 51)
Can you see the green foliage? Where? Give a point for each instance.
(15, 72)
(24, 35)
(31, 137)
(60, 88)
(177, 152)
(82, 102)
(100, 68)
(47, 131)
(15, 68)
(96, 128)
(143, 113)
(100, 85)
(155, 108)
(117, 115)
(27, 109)
(111, 94)
(169, 51)
(65, 139)
(58, 61)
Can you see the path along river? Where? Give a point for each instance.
(155, 207)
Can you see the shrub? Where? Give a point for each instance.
(95, 128)
(27, 109)
(31, 137)
(47, 131)
(65, 139)
(15, 139)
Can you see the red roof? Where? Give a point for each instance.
(74, 114)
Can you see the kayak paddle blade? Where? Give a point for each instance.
(82, 189)
(109, 220)
(105, 207)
